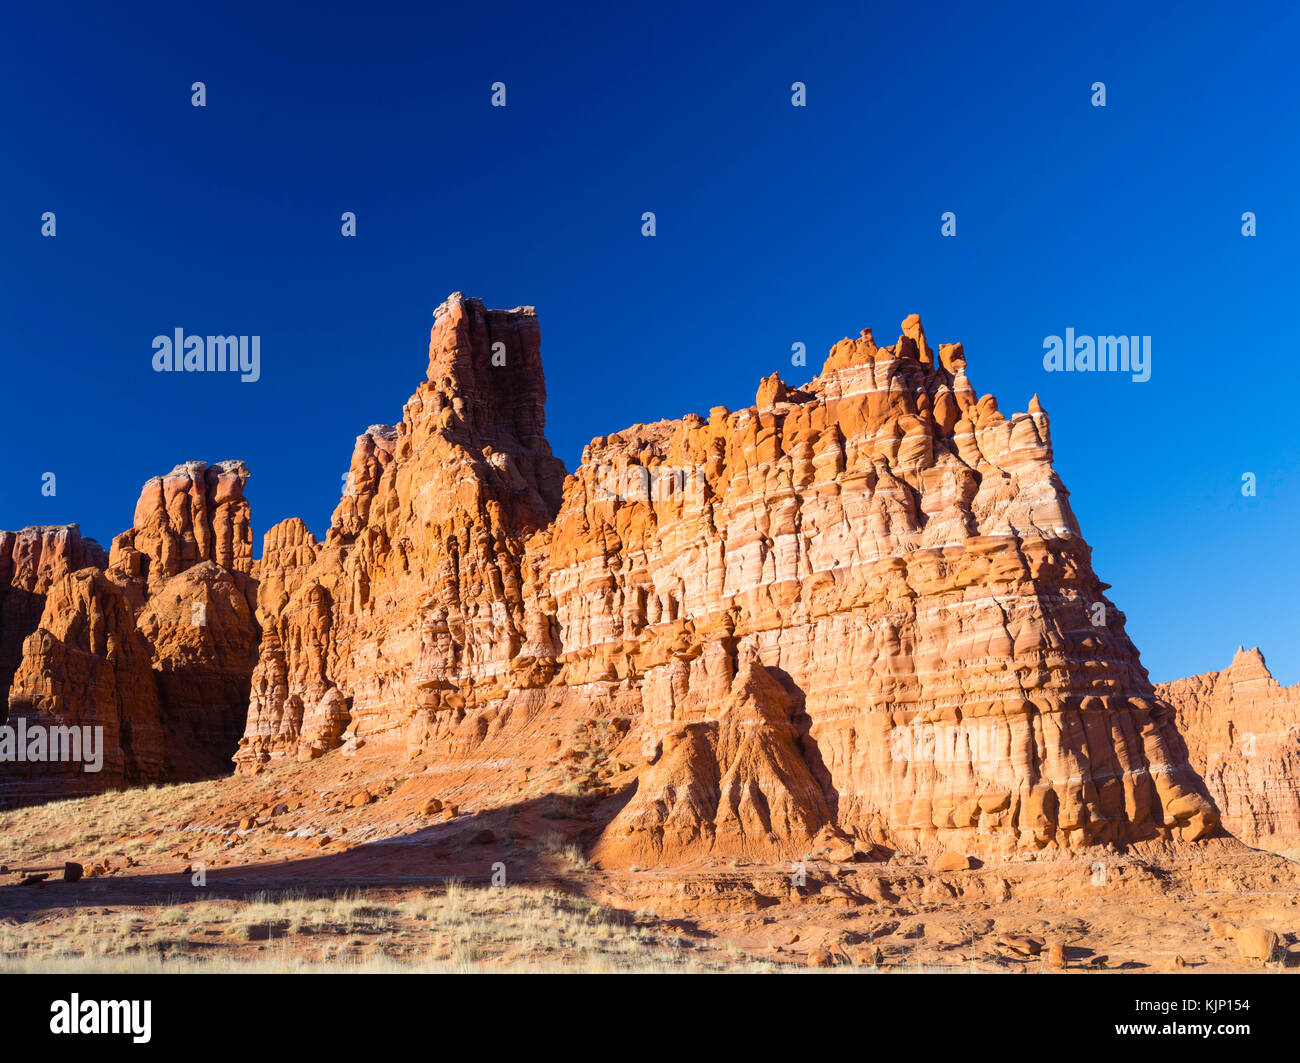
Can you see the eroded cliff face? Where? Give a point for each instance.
(157, 650)
(1243, 734)
(31, 561)
(857, 612)
(193, 514)
(419, 589)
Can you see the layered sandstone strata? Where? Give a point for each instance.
(157, 651)
(860, 609)
(1243, 735)
(193, 514)
(734, 780)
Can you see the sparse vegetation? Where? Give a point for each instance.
(569, 853)
(458, 928)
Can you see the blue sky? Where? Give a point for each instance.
(776, 224)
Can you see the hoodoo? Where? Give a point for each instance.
(858, 613)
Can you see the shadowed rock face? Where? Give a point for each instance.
(1243, 734)
(858, 607)
(157, 651)
(31, 561)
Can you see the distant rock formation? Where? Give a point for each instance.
(195, 513)
(157, 650)
(859, 610)
(31, 561)
(1243, 736)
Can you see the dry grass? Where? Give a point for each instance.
(456, 929)
(90, 828)
(570, 854)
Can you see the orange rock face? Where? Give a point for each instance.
(156, 651)
(86, 666)
(860, 611)
(1243, 736)
(195, 513)
(419, 588)
(732, 780)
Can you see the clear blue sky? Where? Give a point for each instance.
(776, 224)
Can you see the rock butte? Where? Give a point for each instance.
(858, 613)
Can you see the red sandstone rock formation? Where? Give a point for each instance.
(157, 650)
(86, 665)
(31, 561)
(195, 513)
(1243, 736)
(731, 777)
(884, 548)
(418, 588)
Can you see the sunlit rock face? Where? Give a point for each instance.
(859, 612)
(419, 590)
(1243, 734)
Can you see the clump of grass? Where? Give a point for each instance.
(554, 844)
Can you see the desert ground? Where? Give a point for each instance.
(313, 867)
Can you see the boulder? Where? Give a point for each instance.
(1256, 943)
(1023, 944)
